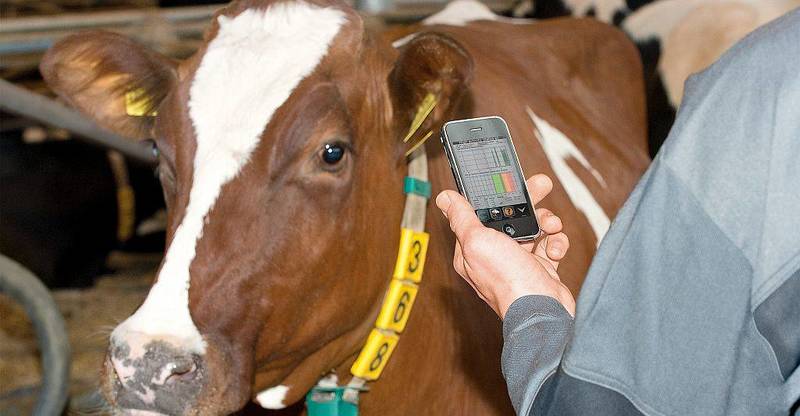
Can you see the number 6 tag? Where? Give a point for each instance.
(411, 255)
(397, 306)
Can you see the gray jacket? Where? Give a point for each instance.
(692, 304)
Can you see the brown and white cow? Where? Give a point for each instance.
(282, 165)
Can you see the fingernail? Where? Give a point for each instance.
(555, 251)
(443, 202)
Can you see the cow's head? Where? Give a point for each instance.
(282, 171)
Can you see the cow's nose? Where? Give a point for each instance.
(154, 375)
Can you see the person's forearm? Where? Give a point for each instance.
(535, 332)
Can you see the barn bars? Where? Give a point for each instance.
(23, 102)
(79, 21)
(31, 35)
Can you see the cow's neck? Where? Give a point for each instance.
(448, 354)
(328, 398)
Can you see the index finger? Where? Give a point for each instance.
(458, 211)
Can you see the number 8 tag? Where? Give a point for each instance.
(411, 255)
(376, 352)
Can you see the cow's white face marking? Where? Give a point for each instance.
(558, 148)
(249, 70)
(272, 398)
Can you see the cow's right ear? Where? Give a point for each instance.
(112, 79)
(431, 68)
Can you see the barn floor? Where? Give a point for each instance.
(90, 315)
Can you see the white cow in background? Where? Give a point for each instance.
(676, 38)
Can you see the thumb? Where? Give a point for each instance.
(458, 212)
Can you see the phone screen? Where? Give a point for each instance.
(490, 175)
(492, 183)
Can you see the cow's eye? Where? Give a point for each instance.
(333, 153)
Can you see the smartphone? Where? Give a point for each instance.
(487, 172)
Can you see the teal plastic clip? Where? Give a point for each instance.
(328, 401)
(417, 187)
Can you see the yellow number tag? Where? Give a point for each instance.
(374, 355)
(136, 103)
(397, 306)
(411, 255)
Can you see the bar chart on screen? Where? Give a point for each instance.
(489, 171)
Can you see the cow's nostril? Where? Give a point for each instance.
(178, 369)
(182, 366)
(182, 369)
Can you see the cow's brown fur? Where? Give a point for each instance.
(294, 260)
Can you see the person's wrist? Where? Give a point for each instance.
(514, 292)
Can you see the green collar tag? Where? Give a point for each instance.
(417, 186)
(328, 401)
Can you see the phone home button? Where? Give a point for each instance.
(509, 229)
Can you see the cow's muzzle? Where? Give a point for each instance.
(154, 375)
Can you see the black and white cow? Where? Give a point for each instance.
(675, 38)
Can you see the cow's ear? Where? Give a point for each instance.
(432, 68)
(112, 79)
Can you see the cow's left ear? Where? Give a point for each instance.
(113, 80)
(431, 68)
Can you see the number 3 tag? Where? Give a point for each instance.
(411, 255)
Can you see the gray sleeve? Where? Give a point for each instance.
(535, 331)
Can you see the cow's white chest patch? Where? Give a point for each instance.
(273, 398)
(558, 148)
(247, 72)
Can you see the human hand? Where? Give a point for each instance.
(497, 267)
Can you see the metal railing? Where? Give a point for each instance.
(174, 31)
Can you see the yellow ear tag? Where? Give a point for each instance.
(136, 103)
(425, 108)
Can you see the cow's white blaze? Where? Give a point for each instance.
(273, 398)
(249, 70)
(558, 148)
